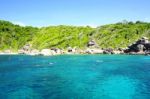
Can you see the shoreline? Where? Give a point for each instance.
(74, 54)
(71, 53)
(140, 47)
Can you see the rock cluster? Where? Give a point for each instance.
(142, 46)
(92, 44)
(26, 49)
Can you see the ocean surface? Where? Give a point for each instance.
(75, 77)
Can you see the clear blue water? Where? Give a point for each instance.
(75, 77)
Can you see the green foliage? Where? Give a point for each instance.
(118, 35)
(121, 35)
(62, 37)
(14, 36)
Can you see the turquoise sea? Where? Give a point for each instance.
(75, 77)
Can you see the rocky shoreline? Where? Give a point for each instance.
(49, 52)
(140, 47)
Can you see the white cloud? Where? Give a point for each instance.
(91, 25)
(147, 19)
(84, 25)
(39, 26)
(18, 23)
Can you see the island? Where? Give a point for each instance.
(120, 38)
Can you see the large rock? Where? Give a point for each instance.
(144, 40)
(26, 47)
(108, 51)
(117, 52)
(139, 47)
(71, 50)
(91, 43)
(88, 51)
(147, 46)
(56, 51)
(34, 52)
(46, 52)
(94, 51)
(79, 51)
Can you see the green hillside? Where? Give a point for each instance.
(118, 35)
(121, 35)
(62, 37)
(15, 37)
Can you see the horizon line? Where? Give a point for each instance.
(78, 25)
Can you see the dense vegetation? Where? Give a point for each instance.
(62, 37)
(121, 35)
(14, 36)
(118, 35)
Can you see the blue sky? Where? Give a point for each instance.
(73, 12)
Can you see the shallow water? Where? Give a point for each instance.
(75, 77)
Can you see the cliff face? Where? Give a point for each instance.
(112, 36)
